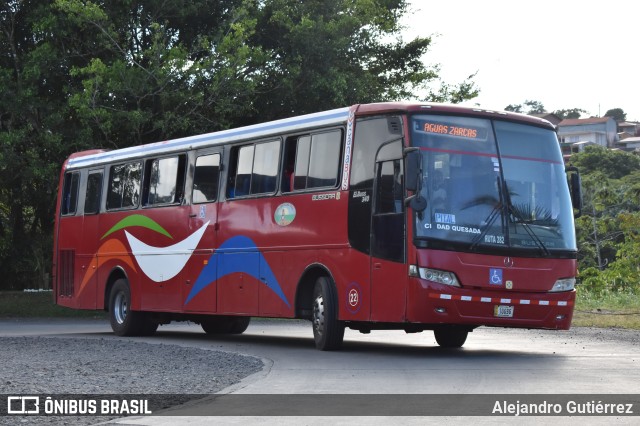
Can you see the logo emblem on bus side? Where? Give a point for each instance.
(285, 213)
(508, 262)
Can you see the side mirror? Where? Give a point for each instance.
(413, 179)
(575, 189)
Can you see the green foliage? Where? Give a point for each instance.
(536, 107)
(608, 232)
(617, 114)
(86, 74)
(570, 113)
(612, 164)
(532, 107)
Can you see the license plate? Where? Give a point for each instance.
(503, 311)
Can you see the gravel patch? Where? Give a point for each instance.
(47, 365)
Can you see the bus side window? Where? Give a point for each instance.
(324, 159)
(206, 178)
(318, 160)
(164, 180)
(265, 168)
(387, 231)
(93, 193)
(70, 194)
(289, 164)
(244, 170)
(256, 169)
(124, 186)
(302, 163)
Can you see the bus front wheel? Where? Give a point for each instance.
(124, 321)
(328, 332)
(450, 337)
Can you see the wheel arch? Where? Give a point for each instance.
(304, 289)
(115, 274)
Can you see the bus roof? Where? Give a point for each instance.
(288, 125)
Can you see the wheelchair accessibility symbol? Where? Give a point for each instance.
(495, 276)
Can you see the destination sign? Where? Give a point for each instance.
(451, 130)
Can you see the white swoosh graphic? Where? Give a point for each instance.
(163, 263)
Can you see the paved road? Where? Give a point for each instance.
(493, 361)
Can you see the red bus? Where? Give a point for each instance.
(381, 216)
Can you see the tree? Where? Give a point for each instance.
(324, 54)
(535, 107)
(607, 233)
(80, 74)
(35, 121)
(532, 107)
(612, 164)
(570, 113)
(617, 114)
(514, 108)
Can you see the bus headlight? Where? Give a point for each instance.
(440, 277)
(564, 284)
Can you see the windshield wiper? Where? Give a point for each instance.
(495, 212)
(520, 220)
(503, 193)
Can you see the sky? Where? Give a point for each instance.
(563, 53)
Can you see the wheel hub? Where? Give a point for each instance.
(318, 315)
(120, 308)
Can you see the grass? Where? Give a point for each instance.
(38, 304)
(604, 310)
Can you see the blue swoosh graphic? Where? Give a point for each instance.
(233, 261)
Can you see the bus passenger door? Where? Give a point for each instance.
(388, 237)
(89, 246)
(200, 289)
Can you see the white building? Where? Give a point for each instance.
(601, 131)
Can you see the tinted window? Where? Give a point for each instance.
(94, 191)
(325, 160)
(389, 193)
(124, 186)
(318, 160)
(256, 170)
(265, 167)
(70, 193)
(302, 163)
(369, 135)
(205, 178)
(164, 180)
(387, 233)
(492, 185)
(245, 168)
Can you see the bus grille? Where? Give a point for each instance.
(65, 272)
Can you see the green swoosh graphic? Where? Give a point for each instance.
(137, 220)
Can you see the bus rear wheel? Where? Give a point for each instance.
(451, 337)
(124, 321)
(328, 332)
(225, 324)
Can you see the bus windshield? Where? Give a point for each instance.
(492, 185)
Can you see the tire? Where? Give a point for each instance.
(124, 321)
(451, 337)
(328, 332)
(239, 325)
(147, 327)
(225, 324)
